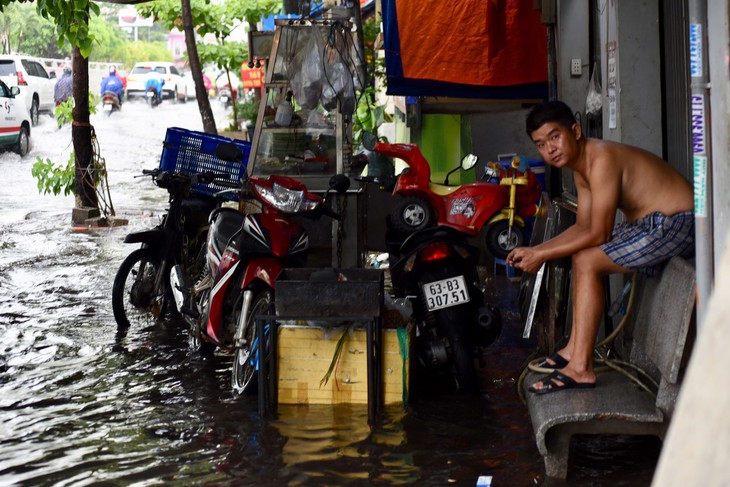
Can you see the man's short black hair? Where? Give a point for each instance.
(551, 111)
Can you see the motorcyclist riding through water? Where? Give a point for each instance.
(63, 90)
(156, 81)
(114, 84)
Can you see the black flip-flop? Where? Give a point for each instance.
(549, 384)
(558, 362)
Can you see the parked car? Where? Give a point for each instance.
(35, 83)
(175, 86)
(187, 76)
(15, 122)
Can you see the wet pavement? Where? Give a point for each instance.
(81, 404)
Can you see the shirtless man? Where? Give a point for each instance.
(657, 203)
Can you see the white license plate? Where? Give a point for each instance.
(108, 107)
(446, 293)
(150, 94)
(224, 99)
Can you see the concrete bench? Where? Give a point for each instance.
(618, 406)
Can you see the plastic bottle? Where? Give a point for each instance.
(284, 111)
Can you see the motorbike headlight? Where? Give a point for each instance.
(286, 200)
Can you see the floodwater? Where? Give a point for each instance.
(82, 405)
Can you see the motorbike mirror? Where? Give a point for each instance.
(369, 140)
(228, 152)
(340, 183)
(469, 161)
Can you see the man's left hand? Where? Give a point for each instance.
(526, 259)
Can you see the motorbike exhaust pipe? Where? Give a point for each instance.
(489, 325)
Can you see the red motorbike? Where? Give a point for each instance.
(501, 205)
(246, 252)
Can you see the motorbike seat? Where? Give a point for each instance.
(429, 234)
(441, 189)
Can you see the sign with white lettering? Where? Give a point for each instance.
(695, 50)
(699, 134)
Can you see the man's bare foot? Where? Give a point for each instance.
(566, 378)
(557, 381)
(554, 361)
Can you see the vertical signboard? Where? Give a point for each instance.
(612, 92)
(695, 50)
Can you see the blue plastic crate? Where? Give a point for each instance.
(190, 152)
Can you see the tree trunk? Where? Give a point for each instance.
(84, 186)
(201, 94)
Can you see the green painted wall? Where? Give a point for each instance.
(444, 140)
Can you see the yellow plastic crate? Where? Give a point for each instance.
(305, 353)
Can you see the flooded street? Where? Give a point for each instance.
(82, 405)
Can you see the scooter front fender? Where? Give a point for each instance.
(265, 269)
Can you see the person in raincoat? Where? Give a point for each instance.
(63, 90)
(114, 84)
(155, 81)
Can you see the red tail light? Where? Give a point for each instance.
(435, 251)
(21, 80)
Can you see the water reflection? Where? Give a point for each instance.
(81, 404)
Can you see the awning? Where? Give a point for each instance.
(465, 49)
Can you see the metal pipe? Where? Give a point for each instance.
(702, 154)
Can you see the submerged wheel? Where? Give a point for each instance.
(34, 112)
(23, 145)
(134, 298)
(501, 239)
(246, 360)
(453, 324)
(196, 343)
(410, 215)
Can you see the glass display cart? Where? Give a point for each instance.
(304, 124)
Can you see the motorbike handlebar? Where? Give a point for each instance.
(368, 179)
(386, 183)
(230, 184)
(210, 176)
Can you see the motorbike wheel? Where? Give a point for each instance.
(410, 215)
(452, 322)
(134, 298)
(196, 343)
(246, 360)
(499, 240)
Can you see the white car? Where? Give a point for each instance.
(15, 121)
(35, 83)
(187, 76)
(175, 87)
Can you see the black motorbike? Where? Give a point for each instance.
(436, 269)
(152, 97)
(141, 291)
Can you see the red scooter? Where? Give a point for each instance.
(246, 252)
(502, 205)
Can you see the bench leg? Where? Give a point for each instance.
(556, 460)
